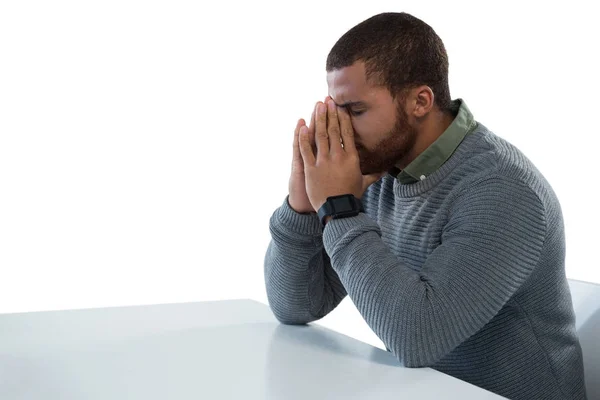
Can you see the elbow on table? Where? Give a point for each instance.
(288, 318)
(291, 321)
(412, 357)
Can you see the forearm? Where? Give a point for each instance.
(397, 303)
(389, 295)
(423, 314)
(300, 283)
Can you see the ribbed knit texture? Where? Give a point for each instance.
(462, 272)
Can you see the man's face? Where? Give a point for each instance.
(382, 131)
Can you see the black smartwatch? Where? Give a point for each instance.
(342, 206)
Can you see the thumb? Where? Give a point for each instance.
(368, 180)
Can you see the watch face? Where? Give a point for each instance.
(342, 204)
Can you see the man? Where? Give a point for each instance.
(456, 257)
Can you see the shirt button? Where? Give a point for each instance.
(423, 177)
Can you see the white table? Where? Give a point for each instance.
(232, 349)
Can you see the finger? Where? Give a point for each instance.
(305, 148)
(347, 131)
(311, 129)
(333, 128)
(321, 131)
(297, 157)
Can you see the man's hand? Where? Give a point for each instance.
(334, 170)
(298, 199)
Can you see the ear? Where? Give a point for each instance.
(423, 100)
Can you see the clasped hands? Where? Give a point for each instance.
(335, 168)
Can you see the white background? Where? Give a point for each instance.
(144, 145)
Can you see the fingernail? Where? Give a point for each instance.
(322, 108)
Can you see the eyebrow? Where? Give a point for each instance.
(350, 104)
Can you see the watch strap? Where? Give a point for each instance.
(352, 206)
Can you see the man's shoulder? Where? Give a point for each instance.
(492, 154)
(493, 158)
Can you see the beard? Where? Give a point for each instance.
(391, 149)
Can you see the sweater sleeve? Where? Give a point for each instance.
(300, 283)
(489, 247)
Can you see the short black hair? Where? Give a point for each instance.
(399, 51)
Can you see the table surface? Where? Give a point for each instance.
(230, 349)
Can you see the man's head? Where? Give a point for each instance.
(397, 67)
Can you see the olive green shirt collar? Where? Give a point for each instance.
(439, 151)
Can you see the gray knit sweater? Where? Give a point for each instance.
(462, 272)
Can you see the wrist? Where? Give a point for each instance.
(299, 209)
(341, 206)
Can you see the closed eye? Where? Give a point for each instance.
(356, 113)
